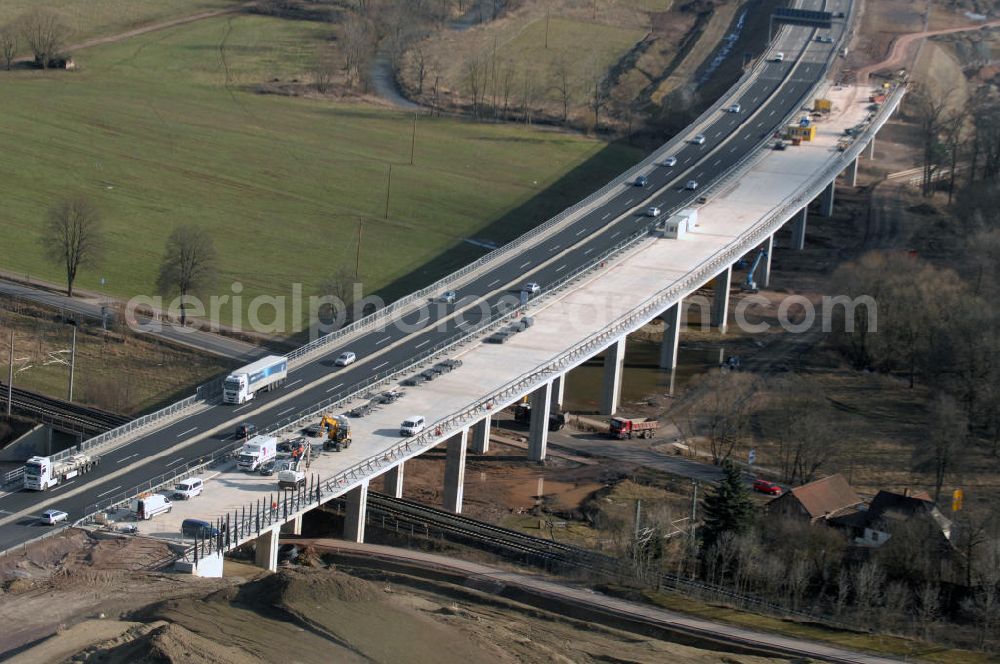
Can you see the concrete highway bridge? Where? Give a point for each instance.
(605, 270)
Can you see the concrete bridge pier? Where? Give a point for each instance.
(394, 480)
(293, 527)
(354, 517)
(558, 392)
(871, 149)
(481, 435)
(454, 471)
(614, 365)
(720, 302)
(769, 248)
(826, 199)
(266, 550)
(799, 229)
(671, 335)
(538, 428)
(852, 172)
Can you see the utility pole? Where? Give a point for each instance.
(546, 28)
(694, 509)
(388, 188)
(10, 375)
(638, 517)
(413, 138)
(72, 364)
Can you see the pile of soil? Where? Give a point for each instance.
(163, 643)
(292, 586)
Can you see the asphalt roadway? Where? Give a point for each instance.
(779, 87)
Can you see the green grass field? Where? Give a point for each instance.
(91, 18)
(165, 129)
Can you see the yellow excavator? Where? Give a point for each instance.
(338, 432)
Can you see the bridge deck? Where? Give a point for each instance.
(564, 318)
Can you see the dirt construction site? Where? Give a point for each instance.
(79, 599)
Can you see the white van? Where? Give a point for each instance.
(189, 488)
(778, 57)
(149, 506)
(412, 425)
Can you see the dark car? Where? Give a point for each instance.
(287, 553)
(770, 488)
(246, 430)
(267, 468)
(641, 181)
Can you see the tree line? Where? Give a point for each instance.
(41, 30)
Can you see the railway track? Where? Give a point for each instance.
(553, 556)
(63, 414)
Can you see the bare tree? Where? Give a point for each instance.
(475, 82)
(805, 427)
(598, 99)
(529, 95)
(8, 45)
(189, 265)
(721, 409)
(561, 83)
(359, 43)
(420, 64)
(45, 33)
(931, 114)
(324, 72)
(942, 450)
(507, 74)
(73, 236)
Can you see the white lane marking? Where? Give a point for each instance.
(295, 383)
(287, 410)
(460, 325)
(130, 456)
(382, 341)
(422, 343)
(236, 410)
(718, 133)
(615, 233)
(181, 435)
(561, 268)
(379, 366)
(525, 264)
(101, 495)
(177, 460)
(493, 283)
(335, 387)
(581, 232)
(588, 251)
(64, 485)
(771, 113)
(554, 248)
(717, 162)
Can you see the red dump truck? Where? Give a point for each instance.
(623, 427)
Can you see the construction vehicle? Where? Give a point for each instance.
(41, 473)
(338, 432)
(623, 427)
(522, 413)
(749, 285)
(265, 374)
(293, 475)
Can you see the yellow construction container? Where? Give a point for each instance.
(801, 133)
(823, 106)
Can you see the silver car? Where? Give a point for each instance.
(691, 185)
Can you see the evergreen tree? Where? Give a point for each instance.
(728, 507)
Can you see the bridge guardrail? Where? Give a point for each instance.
(477, 409)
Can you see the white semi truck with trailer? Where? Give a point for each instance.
(265, 374)
(41, 473)
(256, 452)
